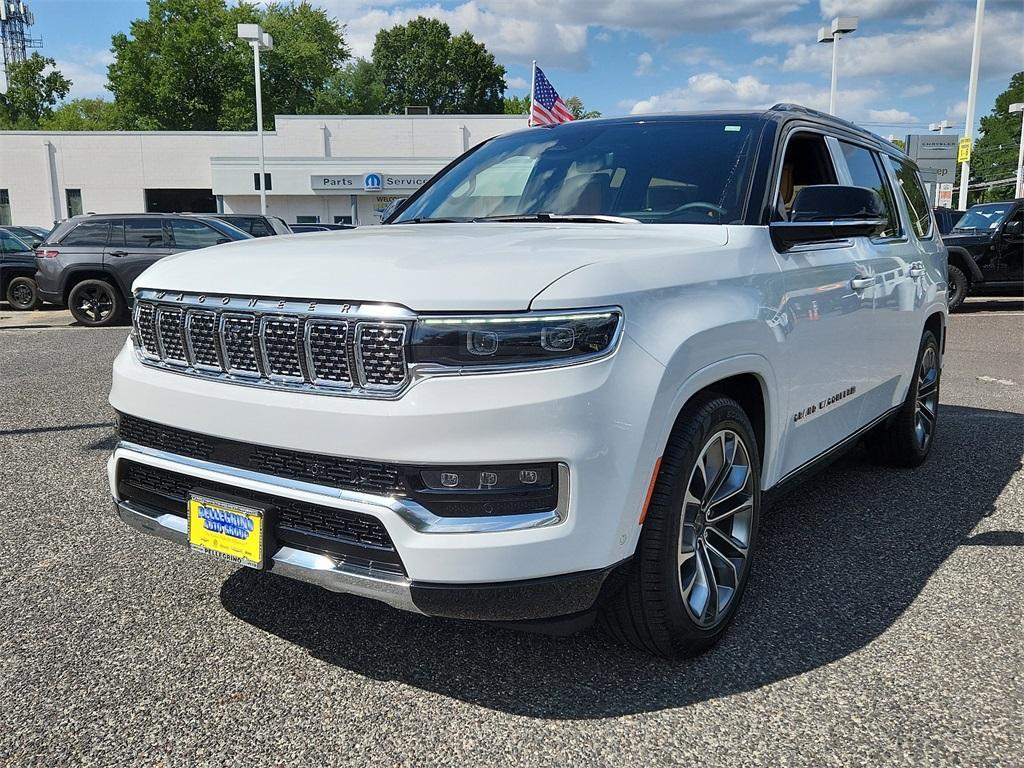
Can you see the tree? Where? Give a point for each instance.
(184, 68)
(575, 105)
(421, 64)
(83, 115)
(994, 156)
(355, 89)
(517, 105)
(34, 86)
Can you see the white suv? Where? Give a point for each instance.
(557, 385)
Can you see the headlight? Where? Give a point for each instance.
(526, 339)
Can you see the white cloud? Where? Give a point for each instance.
(766, 61)
(643, 64)
(918, 90)
(517, 83)
(784, 35)
(86, 68)
(890, 116)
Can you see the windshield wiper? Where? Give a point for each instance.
(585, 218)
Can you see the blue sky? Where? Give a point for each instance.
(906, 66)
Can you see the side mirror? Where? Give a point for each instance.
(830, 212)
(1013, 228)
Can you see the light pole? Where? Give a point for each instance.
(972, 92)
(840, 27)
(260, 41)
(1019, 187)
(940, 127)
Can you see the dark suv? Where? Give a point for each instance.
(986, 251)
(255, 224)
(89, 262)
(17, 267)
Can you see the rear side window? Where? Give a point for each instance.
(140, 234)
(866, 171)
(259, 228)
(194, 234)
(87, 234)
(11, 244)
(915, 198)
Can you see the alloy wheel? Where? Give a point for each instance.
(927, 397)
(21, 295)
(716, 529)
(95, 302)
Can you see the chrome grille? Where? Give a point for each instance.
(170, 328)
(330, 348)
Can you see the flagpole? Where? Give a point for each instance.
(533, 90)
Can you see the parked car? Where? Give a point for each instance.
(88, 263)
(17, 271)
(986, 251)
(569, 396)
(946, 219)
(255, 224)
(33, 236)
(318, 227)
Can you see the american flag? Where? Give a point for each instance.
(547, 106)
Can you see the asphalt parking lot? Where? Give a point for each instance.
(883, 624)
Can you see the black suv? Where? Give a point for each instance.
(89, 262)
(255, 224)
(17, 268)
(986, 251)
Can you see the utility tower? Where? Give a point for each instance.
(15, 39)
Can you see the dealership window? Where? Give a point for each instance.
(342, 220)
(74, 201)
(915, 198)
(5, 207)
(307, 219)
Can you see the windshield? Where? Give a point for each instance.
(685, 171)
(988, 216)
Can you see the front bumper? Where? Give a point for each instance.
(594, 419)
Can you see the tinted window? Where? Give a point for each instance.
(194, 234)
(679, 171)
(259, 228)
(140, 234)
(915, 198)
(866, 171)
(88, 233)
(11, 244)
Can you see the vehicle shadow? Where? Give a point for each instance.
(991, 304)
(839, 562)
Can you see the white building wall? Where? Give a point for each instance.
(113, 169)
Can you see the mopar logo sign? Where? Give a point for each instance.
(372, 182)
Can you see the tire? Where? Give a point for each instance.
(650, 611)
(959, 287)
(906, 440)
(22, 294)
(95, 303)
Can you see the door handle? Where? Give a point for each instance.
(117, 253)
(860, 283)
(916, 270)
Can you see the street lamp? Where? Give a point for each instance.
(841, 26)
(260, 41)
(1019, 188)
(972, 93)
(940, 127)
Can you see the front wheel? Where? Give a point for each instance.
(95, 303)
(693, 559)
(959, 285)
(906, 440)
(22, 294)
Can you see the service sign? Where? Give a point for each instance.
(368, 182)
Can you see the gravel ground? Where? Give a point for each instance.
(883, 623)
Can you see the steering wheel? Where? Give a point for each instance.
(696, 205)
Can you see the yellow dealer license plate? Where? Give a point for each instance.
(225, 529)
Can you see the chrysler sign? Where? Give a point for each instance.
(367, 182)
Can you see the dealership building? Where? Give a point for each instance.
(335, 169)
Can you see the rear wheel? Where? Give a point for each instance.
(906, 440)
(95, 303)
(693, 558)
(959, 285)
(22, 294)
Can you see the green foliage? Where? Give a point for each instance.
(34, 86)
(355, 89)
(422, 64)
(517, 105)
(184, 68)
(575, 105)
(83, 115)
(994, 156)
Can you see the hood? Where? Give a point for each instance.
(968, 237)
(425, 267)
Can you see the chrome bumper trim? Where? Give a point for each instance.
(416, 516)
(311, 567)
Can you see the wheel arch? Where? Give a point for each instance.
(959, 257)
(77, 276)
(936, 323)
